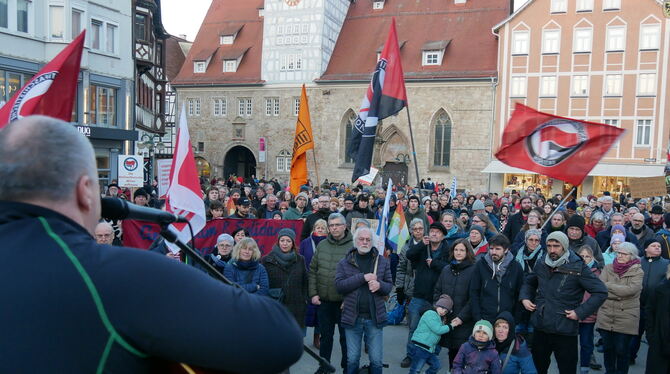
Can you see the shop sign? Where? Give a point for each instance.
(647, 187)
(84, 130)
(131, 171)
(261, 149)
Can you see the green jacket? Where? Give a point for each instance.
(429, 330)
(293, 213)
(324, 265)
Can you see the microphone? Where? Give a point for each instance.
(115, 209)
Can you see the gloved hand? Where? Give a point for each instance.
(400, 295)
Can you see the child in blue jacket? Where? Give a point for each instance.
(478, 354)
(427, 335)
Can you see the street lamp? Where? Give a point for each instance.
(151, 143)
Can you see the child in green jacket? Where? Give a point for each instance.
(427, 335)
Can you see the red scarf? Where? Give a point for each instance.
(621, 269)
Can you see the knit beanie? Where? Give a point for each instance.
(483, 325)
(618, 227)
(225, 238)
(286, 232)
(303, 195)
(650, 241)
(478, 228)
(576, 221)
(617, 237)
(445, 302)
(560, 237)
(478, 205)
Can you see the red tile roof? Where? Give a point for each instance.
(225, 15)
(466, 28)
(174, 56)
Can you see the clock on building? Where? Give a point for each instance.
(292, 2)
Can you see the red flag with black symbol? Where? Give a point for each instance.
(52, 91)
(558, 147)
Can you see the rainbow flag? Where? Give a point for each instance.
(398, 233)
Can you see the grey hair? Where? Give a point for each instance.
(339, 216)
(415, 222)
(44, 160)
(532, 232)
(359, 230)
(629, 248)
(616, 214)
(598, 216)
(606, 198)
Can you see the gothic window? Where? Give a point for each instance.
(349, 120)
(442, 146)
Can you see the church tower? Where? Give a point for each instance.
(299, 37)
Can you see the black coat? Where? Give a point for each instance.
(603, 238)
(556, 290)
(455, 282)
(293, 279)
(426, 276)
(658, 329)
(489, 295)
(514, 225)
(654, 274)
(310, 221)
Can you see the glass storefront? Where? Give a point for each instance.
(520, 182)
(615, 185)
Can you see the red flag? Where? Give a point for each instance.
(386, 96)
(559, 147)
(52, 91)
(183, 196)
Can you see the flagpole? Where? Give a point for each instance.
(316, 168)
(416, 166)
(574, 189)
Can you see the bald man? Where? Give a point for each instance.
(104, 233)
(89, 308)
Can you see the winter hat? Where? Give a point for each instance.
(225, 238)
(657, 209)
(488, 202)
(303, 195)
(571, 205)
(617, 237)
(286, 232)
(425, 198)
(141, 192)
(650, 241)
(560, 237)
(468, 213)
(445, 302)
(618, 227)
(477, 228)
(576, 221)
(483, 325)
(349, 198)
(439, 226)
(478, 205)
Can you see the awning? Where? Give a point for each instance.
(601, 170)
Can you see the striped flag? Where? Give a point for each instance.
(398, 230)
(454, 184)
(383, 222)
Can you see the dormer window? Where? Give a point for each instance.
(229, 66)
(227, 39)
(199, 66)
(378, 4)
(433, 52)
(228, 34)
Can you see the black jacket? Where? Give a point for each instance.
(426, 276)
(654, 273)
(491, 294)
(514, 225)
(310, 221)
(85, 306)
(658, 329)
(555, 290)
(603, 238)
(455, 282)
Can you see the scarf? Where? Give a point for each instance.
(500, 268)
(452, 231)
(621, 269)
(284, 259)
(559, 262)
(479, 247)
(246, 265)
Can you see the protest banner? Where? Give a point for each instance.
(163, 172)
(647, 187)
(131, 173)
(140, 234)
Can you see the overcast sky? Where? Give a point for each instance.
(184, 16)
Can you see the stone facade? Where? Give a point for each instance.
(468, 105)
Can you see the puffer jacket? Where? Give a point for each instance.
(349, 279)
(250, 275)
(555, 290)
(491, 294)
(473, 360)
(429, 330)
(404, 277)
(455, 282)
(621, 311)
(323, 267)
(592, 317)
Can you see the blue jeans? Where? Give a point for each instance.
(374, 340)
(585, 343)
(616, 354)
(422, 357)
(329, 313)
(414, 309)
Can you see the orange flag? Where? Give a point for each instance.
(230, 207)
(302, 142)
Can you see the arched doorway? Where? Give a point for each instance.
(239, 161)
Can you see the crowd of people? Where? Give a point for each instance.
(502, 281)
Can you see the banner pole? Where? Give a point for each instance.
(416, 166)
(316, 168)
(574, 189)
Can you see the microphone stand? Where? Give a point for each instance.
(171, 237)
